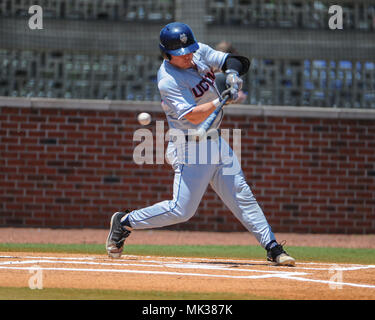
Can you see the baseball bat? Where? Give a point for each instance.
(206, 124)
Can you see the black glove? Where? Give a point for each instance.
(232, 93)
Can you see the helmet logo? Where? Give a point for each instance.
(183, 37)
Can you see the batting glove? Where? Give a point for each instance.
(232, 93)
(233, 79)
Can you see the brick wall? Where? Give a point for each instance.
(70, 164)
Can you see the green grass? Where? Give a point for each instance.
(315, 254)
(10, 293)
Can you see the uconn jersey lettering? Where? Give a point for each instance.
(181, 90)
(204, 85)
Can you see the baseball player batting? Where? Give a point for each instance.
(193, 103)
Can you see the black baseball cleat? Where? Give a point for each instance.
(278, 256)
(117, 234)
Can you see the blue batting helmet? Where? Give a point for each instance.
(177, 39)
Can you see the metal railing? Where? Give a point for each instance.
(306, 14)
(71, 75)
(107, 51)
(125, 10)
(302, 14)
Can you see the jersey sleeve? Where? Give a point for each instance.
(212, 57)
(177, 97)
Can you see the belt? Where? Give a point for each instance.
(208, 136)
(215, 134)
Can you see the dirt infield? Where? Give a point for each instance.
(305, 281)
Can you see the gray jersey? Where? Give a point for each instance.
(183, 89)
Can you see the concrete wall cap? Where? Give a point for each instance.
(154, 106)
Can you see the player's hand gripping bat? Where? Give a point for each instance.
(206, 124)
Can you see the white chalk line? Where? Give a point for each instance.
(261, 262)
(282, 276)
(148, 272)
(334, 283)
(179, 264)
(332, 266)
(172, 266)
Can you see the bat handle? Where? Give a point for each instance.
(200, 133)
(202, 130)
(224, 101)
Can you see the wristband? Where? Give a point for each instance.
(228, 71)
(216, 102)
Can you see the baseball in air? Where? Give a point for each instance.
(144, 118)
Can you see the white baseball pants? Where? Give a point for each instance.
(196, 165)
